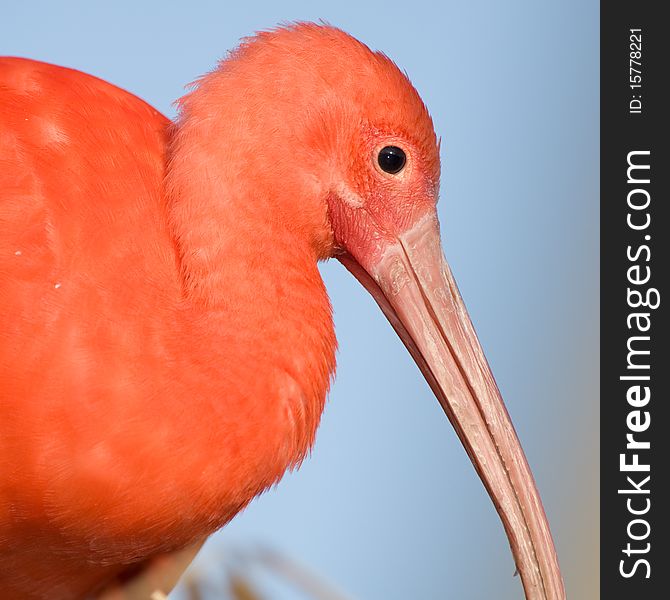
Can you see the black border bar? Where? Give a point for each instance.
(635, 359)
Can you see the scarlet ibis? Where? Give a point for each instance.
(166, 340)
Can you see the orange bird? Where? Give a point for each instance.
(166, 341)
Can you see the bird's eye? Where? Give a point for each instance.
(391, 159)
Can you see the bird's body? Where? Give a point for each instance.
(166, 341)
(112, 441)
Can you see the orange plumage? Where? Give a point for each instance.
(166, 341)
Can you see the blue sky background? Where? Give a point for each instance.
(389, 507)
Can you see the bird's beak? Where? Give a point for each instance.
(413, 285)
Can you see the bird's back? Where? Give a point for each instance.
(86, 266)
(82, 216)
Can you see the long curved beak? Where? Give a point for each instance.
(413, 285)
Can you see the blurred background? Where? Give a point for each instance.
(388, 506)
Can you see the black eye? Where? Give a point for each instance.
(391, 159)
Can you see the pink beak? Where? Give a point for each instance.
(413, 285)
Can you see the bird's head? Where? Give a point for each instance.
(339, 142)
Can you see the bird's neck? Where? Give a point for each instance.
(255, 317)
